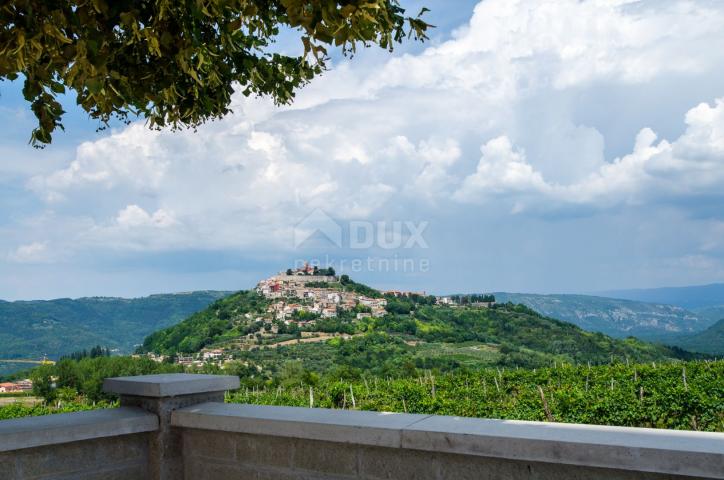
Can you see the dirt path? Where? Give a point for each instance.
(28, 401)
(323, 337)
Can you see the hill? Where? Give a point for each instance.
(709, 341)
(693, 297)
(226, 318)
(616, 317)
(412, 332)
(31, 329)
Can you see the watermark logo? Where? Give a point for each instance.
(357, 239)
(392, 264)
(317, 223)
(361, 235)
(387, 235)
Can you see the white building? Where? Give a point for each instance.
(213, 355)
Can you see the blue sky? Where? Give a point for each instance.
(531, 145)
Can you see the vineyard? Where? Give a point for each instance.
(687, 395)
(675, 395)
(19, 410)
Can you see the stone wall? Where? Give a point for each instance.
(115, 458)
(260, 442)
(109, 444)
(213, 455)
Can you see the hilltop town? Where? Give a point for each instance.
(307, 304)
(314, 292)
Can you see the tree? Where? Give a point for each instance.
(177, 63)
(43, 385)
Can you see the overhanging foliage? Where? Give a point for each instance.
(177, 62)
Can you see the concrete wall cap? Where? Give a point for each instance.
(675, 452)
(169, 384)
(365, 428)
(60, 428)
(636, 449)
(702, 442)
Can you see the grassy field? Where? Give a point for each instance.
(467, 354)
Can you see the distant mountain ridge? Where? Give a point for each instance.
(31, 329)
(692, 297)
(615, 317)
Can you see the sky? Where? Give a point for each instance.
(553, 146)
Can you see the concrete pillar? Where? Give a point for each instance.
(161, 395)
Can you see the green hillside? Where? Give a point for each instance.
(223, 319)
(31, 329)
(709, 341)
(414, 334)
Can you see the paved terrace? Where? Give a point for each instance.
(177, 427)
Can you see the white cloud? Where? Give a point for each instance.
(365, 141)
(134, 216)
(35, 252)
(512, 46)
(693, 165)
(501, 171)
(132, 157)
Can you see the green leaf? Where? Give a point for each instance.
(57, 87)
(152, 45)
